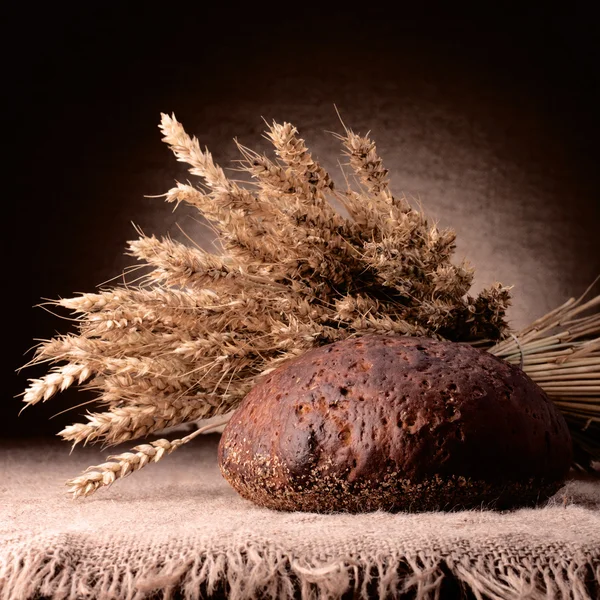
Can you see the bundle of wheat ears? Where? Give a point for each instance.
(190, 338)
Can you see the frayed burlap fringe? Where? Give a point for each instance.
(198, 538)
(68, 567)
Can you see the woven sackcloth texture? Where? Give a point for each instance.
(177, 530)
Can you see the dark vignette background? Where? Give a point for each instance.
(491, 121)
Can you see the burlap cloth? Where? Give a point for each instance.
(176, 529)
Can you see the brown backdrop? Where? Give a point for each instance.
(490, 123)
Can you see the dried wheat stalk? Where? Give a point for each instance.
(561, 353)
(191, 337)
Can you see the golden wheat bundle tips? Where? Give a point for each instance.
(190, 340)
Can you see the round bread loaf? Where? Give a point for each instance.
(395, 423)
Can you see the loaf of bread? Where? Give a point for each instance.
(395, 423)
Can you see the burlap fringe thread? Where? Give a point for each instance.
(260, 572)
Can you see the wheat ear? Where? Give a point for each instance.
(120, 465)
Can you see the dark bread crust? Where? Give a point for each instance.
(395, 423)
